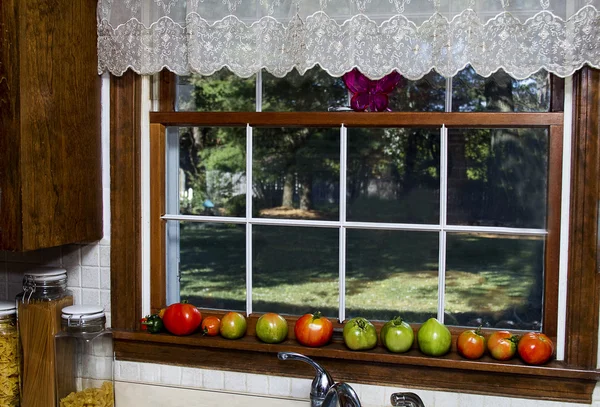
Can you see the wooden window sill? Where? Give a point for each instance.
(553, 381)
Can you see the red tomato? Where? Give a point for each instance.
(502, 345)
(182, 318)
(471, 344)
(535, 348)
(313, 330)
(210, 326)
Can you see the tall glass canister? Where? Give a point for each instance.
(9, 355)
(39, 309)
(84, 358)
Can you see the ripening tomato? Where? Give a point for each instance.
(271, 328)
(313, 330)
(502, 345)
(471, 344)
(535, 348)
(182, 318)
(210, 326)
(233, 325)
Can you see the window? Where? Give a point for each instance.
(572, 380)
(414, 218)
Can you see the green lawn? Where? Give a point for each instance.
(388, 272)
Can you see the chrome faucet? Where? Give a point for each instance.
(343, 393)
(406, 400)
(320, 384)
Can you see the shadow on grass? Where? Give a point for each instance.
(213, 258)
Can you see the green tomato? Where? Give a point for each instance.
(233, 325)
(271, 328)
(434, 338)
(360, 334)
(397, 336)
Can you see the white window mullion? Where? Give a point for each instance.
(259, 89)
(564, 223)
(248, 218)
(443, 208)
(448, 101)
(342, 243)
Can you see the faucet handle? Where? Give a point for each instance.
(406, 400)
(320, 384)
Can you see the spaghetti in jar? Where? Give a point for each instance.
(39, 309)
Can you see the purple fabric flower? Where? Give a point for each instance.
(368, 94)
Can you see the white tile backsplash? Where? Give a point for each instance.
(257, 384)
(90, 277)
(90, 296)
(213, 379)
(191, 377)
(90, 255)
(170, 375)
(279, 386)
(235, 381)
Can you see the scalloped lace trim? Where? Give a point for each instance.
(544, 41)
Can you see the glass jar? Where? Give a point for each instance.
(39, 308)
(84, 355)
(9, 355)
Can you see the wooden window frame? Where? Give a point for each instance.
(572, 380)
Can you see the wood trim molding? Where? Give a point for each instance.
(125, 208)
(583, 293)
(354, 119)
(158, 292)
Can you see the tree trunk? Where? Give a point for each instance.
(288, 189)
(306, 203)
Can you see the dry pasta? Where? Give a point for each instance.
(92, 397)
(38, 322)
(9, 369)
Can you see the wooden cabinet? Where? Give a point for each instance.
(50, 151)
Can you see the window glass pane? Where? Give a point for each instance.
(316, 90)
(296, 173)
(494, 281)
(212, 265)
(295, 270)
(498, 177)
(212, 171)
(393, 175)
(500, 92)
(427, 94)
(390, 273)
(220, 92)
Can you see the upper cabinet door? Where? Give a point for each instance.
(50, 151)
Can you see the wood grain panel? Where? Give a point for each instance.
(583, 280)
(10, 174)
(158, 289)
(60, 123)
(552, 258)
(353, 119)
(50, 125)
(125, 253)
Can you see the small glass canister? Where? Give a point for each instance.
(9, 355)
(84, 356)
(39, 308)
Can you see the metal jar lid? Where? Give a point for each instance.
(7, 308)
(82, 313)
(45, 274)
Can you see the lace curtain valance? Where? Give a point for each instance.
(376, 36)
